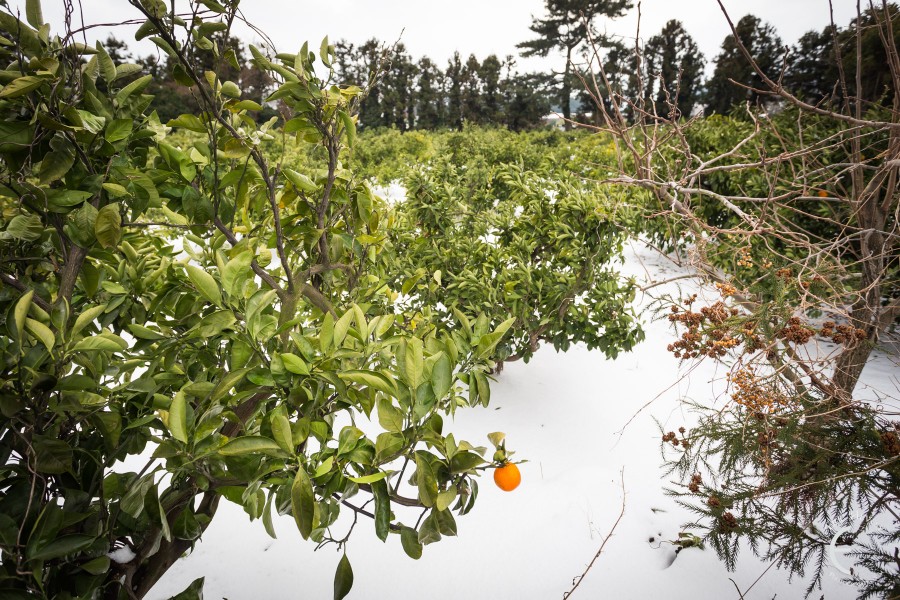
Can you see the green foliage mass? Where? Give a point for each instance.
(216, 296)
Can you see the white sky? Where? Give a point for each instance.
(437, 27)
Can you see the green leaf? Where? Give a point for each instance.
(231, 90)
(235, 272)
(341, 328)
(27, 228)
(20, 313)
(389, 416)
(326, 333)
(281, 430)
(303, 502)
(370, 379)
(441, 376)
(108, 226)
(134, 87)
(191, 592)
(21, 86)
(86, 317)
(104, 342)
(325, 467)
(107, 66)
(250, 444)
(98, 566)
(414, 362)
(369, 478)
(33, 13)
(54, 165)
(267, 516)
(231, 379)
(60, 198)
(425, 480)
(63, 546)
(300, 181)
(410, 541)
(349, 127)
(189, 122)
(205, 284)
(382, 509)
(294, 364)
(445, 499)
(52, 456)
(347, 439)
(430, 531)
(343, 578)
(178, 418)
(41, 332)
(144, 333)
(118, 129)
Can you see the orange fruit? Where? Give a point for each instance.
(507, 477)
(823, 194)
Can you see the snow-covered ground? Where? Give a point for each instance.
(565, 414)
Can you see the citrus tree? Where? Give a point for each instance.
(206, 309)
(509, 242)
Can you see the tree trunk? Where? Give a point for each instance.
(149, 571)
(566, 93)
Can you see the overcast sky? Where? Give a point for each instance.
(437, 28)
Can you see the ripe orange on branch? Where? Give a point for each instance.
(507, 477)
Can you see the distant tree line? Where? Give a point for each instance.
(418, 94)
(667, 70)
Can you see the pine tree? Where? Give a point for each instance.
(674, 69)
(491, 73)
(429, 99)
(812, 66)
(566, 27)
(764, 45)
(454, 92)
(472, 110)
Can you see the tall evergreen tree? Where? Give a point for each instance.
(764, 45)
(454, 91)
(397, 101)
(429, 96)
(472, 110)
(527, 99)
(369, 58)
(566, 27)
(674, 68)
(812, 71)
(491, 73)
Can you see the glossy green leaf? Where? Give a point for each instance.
(343, 578)
(205, 284)
(409, 539)
(108, 226)
(178, 418)
(303, 502)
(250, 444)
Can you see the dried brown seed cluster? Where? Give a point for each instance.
(891, 441)
(672, 438)
(795, 332)
(748, 392)
(842, 334)
(744, 258)
(714, 502)
(784, 274)
(726, 289)
(729, 521)
(694, 343)
(694, 485)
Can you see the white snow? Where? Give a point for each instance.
(565, 414)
